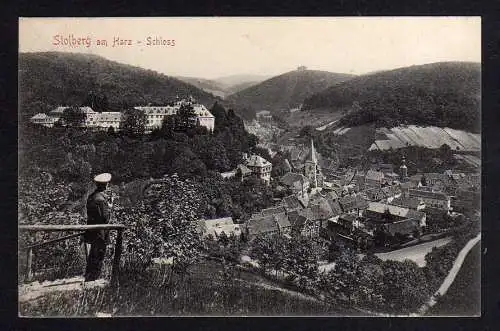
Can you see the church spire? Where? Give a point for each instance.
(403, 168)
(313, 153)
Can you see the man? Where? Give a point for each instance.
(99, 207)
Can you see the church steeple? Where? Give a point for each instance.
(311, 166)
(312, 157)
(403, 168)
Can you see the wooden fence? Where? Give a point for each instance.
(80, 231)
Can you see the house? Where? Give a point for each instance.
(292, 203)
(228, 174)
(217, 226)
(348, 229)
(373, 194)
(44, 119)
(273, 211)
(298, 222)
(404, 227)
(374, 178)
(384, 213)
(284, 225)
(353, 204)
(298, 183)
(259, 225)
(335, 208)
(260, 167)
(243, 171)
(432, 199)
(408, 202)
(264, 116)
(391, 192)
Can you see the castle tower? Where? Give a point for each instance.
(403, 169)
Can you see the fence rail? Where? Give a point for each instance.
(68, 228)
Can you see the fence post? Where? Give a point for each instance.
(116, 259)
(29, 261)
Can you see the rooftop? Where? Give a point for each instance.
(257, 161)
(429, 194)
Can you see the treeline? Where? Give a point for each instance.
(73, 154)
(440, 94)
(52, 79)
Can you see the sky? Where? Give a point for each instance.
(216, 47)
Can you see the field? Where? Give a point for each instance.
(315, 119)
(464, 295)
(429, 137)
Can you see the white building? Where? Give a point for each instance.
(44, 119)
(260, 167)
(156, 114)
(104, 120)
(215, 227)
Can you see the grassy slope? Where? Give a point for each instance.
(204, 292)
(464, 295)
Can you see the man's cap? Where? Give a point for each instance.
(102, 178)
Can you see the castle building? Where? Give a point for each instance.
(312, 169)
(44, 119)
(260, 167)
(104, 120)
(156, 114)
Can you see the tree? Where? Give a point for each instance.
(307, 131)
(134, 122)
(423, 181)
(186, 118)
(405, 286)
(346, 273)
(74, 116)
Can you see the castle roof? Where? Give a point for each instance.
(39, 116)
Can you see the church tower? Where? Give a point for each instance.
(312, 170)
(403, 169)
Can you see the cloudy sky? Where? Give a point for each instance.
(215, 47)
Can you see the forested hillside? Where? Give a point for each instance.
(443, 94)
(287, 90)
(49, 79)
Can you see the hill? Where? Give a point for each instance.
(52, 78)
(445, 94)
(286, 91)
(207, 85)
(240, 80)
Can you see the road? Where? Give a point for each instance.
(451, 275)
(415, 253)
